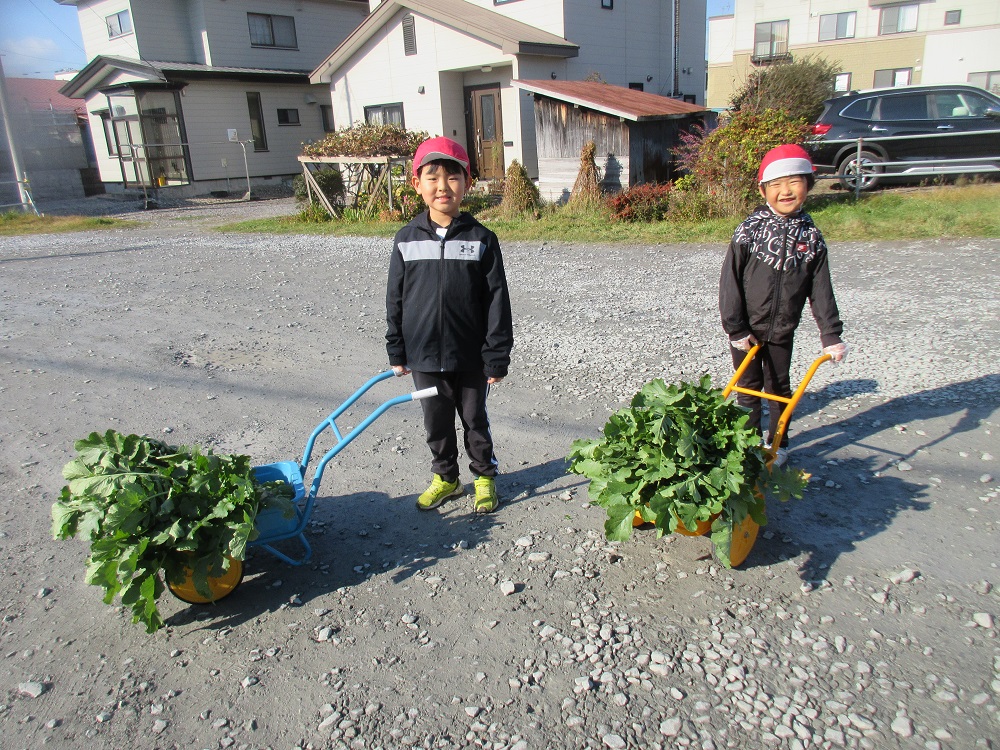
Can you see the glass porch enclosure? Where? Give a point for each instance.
(146, 136)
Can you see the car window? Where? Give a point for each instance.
(949, 104)
(862, 109)
(902, 107)
(976, 104)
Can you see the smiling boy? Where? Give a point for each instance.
(449, 322)
(777, 260)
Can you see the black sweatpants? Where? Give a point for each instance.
(464, 393)
(768, 373)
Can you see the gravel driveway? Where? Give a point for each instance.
(864, 617)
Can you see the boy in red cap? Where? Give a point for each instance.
(449, 321)
(776, 260)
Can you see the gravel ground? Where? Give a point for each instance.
(864, 617)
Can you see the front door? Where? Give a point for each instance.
(485, 131)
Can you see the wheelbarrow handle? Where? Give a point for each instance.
(424, 393)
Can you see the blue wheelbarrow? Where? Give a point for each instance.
(276, 524)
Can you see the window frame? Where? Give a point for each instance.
(898, 9)
(955, 14)
(259, 141)
(118, 18)
(849, 33)
(289, 113)
(326, 118)
(895, 72)
(837, 77)
(382, 109)
(269, 17)
(773, 41)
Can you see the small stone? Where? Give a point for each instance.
(473, 711)
(31, 689)
(670, 727)
(159, 726)
(983, 620)
(903, 726)
(614, 741)
(524, 541)
(507, 588)
(986, 478)
(904, 466)
(249, 681)
(904, 576)
(103, 718)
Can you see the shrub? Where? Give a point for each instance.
(367, 139)
(330, 181)
(797, 88)
(722, 164)
(648, 202)
(520, 194)
(314, 213)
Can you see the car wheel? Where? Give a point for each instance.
(864, 170)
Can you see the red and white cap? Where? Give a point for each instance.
(439, 148)
(784, 161)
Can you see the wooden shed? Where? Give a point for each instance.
(635, 133)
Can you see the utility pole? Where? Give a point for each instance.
(9, 129)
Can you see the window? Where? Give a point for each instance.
(952, 17)
(841, 83)
(837, 26)
(288, 117)
(897, 19)
(326, 112)
(272, 31)
(609, 4)
(256, 121)
(892, 77)
(636, 86)
(409, 36)
(119, 24)
(770, 40)
(384, 114)
(903, 107)
(989, 81)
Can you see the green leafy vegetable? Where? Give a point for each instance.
(681, 454)
(153, 511)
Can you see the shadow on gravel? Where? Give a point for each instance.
(831, 521)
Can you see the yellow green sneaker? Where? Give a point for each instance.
(439, 491)
(486, 495)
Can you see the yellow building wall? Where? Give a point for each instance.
(859, 57)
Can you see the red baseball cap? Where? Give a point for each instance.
(784, 161)
(439, 148)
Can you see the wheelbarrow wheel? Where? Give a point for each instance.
(220, 586)
(741, 541)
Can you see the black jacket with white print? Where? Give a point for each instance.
(447, 304)
(772, 266)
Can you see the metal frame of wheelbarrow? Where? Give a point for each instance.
(745, 533)
(272, 526)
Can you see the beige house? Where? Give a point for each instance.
(203, 95)
(874, 43)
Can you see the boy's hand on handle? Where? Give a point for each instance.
(837, 352)
(493, 381)
(744, 344)
(400, 370)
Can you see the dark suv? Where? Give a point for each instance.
(908, 133)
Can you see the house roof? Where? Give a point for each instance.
(613, 100)
(511, 36)
(103, 66)
(37, 94)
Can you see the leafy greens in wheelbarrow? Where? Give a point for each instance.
(681, 454)
(153, 511)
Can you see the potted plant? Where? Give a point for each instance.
(155, 513)
(680, 455)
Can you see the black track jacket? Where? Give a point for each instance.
(772, 266)
(447, 305)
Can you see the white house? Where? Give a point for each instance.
(874, 43)
(446, 66)
(202, 94)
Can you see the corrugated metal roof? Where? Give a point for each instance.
(511, 36)
(613, 100)
(37, 94)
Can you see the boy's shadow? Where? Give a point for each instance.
(829, 522)
(360, 536)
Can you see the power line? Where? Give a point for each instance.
(57, 27)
